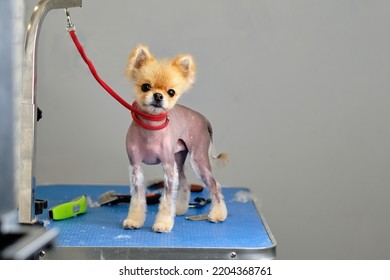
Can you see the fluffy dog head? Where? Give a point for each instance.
(159, 83)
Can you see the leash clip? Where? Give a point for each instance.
(70, 26)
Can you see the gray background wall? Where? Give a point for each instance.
(297, 91)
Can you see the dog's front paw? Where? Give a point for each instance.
(163, 224)
(135, 220)
(136, 217)
(132, 224)
(162, 227)
(218, 212)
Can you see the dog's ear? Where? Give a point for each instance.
(138, 58)
(186, 65)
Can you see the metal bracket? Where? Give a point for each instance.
(29, 109)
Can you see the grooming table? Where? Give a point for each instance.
(98, 234)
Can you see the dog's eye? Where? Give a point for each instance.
(145, 87)
(171, 92)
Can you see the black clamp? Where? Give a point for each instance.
(40, 204)
(199, 202)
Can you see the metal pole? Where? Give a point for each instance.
(29, 108)
(7, 90)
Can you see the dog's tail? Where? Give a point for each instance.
(223, 158)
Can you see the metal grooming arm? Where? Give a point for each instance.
(29, 108)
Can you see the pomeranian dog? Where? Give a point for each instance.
(158, 85)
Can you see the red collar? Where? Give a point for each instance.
(156, 118)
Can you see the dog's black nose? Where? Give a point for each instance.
(158, 96)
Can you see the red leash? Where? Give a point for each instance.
(133, 108)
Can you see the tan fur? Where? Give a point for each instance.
(177, 73)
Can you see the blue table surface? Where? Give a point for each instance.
(101, 226)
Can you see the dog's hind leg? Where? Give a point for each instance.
(201, 165)
(137, 211)
(166, 211)
(184, 189)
